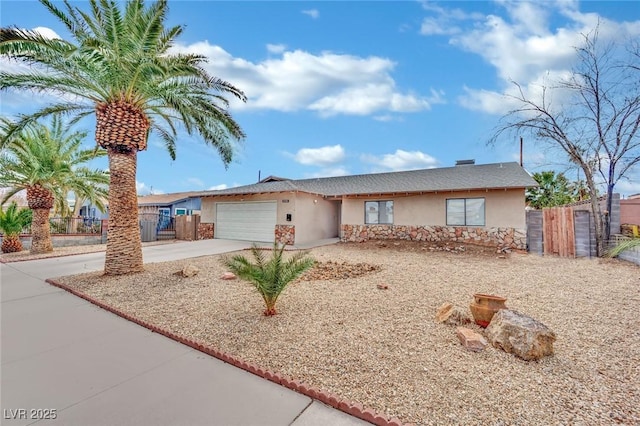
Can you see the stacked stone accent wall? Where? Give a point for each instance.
(494, 237)
(205, 231)
(286, 234)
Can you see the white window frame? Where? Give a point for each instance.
(181, 211)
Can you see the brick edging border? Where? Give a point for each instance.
(351, 408)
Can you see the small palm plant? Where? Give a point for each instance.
(623, 246)
(270, 276)
(12, 221)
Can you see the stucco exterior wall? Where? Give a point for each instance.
(315, 218)
(286, 204)
(630, 211)
(503, 208)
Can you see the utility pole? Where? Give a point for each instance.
(521, 143)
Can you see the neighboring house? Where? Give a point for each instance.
(477, 203)
(176, 204)
(630, 210)
(20, 198)
(89, 210)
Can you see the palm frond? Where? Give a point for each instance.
(622, 247)
(122, 53)
(14, 219)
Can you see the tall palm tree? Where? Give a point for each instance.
(120, 67)
(48, 162)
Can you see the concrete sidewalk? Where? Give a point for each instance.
(63, 357)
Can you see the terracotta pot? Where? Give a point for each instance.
(484, 306)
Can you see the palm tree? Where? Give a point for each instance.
(120, 67)
(269, 276)
(48, 162)
(554, 190)
(12, 221)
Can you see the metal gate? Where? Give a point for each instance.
(155, 227)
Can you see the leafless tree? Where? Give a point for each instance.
(595, 123)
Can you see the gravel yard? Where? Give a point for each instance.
(338, 331)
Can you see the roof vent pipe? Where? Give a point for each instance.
(465, 162)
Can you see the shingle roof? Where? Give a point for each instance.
(458, 178)
(164, 199)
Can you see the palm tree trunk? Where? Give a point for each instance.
(40, 232)
(124, 247)
(40, 201)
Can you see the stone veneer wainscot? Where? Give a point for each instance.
(495, 237)
(286, 234)
(205, 231)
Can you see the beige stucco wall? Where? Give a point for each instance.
(316, 218)
(503, 208)
(208, 206)
(312, 220)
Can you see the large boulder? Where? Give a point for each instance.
(520, 335)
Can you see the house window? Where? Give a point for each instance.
(378, 212)
(180, 212)
(465, 212)
(162, 211)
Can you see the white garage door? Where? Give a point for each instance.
(246, 221)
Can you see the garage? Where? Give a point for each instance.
(247, 221)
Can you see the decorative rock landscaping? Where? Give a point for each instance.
(471, 340)
(452, 315)
(190, 271)
(520, 335)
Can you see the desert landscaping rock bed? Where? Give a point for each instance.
(344, 333)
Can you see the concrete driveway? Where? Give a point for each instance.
(67, 362)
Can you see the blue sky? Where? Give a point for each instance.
(339, 88)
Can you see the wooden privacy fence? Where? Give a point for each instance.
(559, 231)
(187, 227)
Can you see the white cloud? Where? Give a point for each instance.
(401, 160)
(218, 187)
(629, 186)
(435, 26)
(276, 48)
(314, 13)
(195, 182)
(143, 189)
(327, 155)
(328, 83)
(444, 21)
(46, 32)
(385, 118)
(523, 46)
(329, 172)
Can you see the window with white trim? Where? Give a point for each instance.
(378, 212)
(181, 212)
(465, 212)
